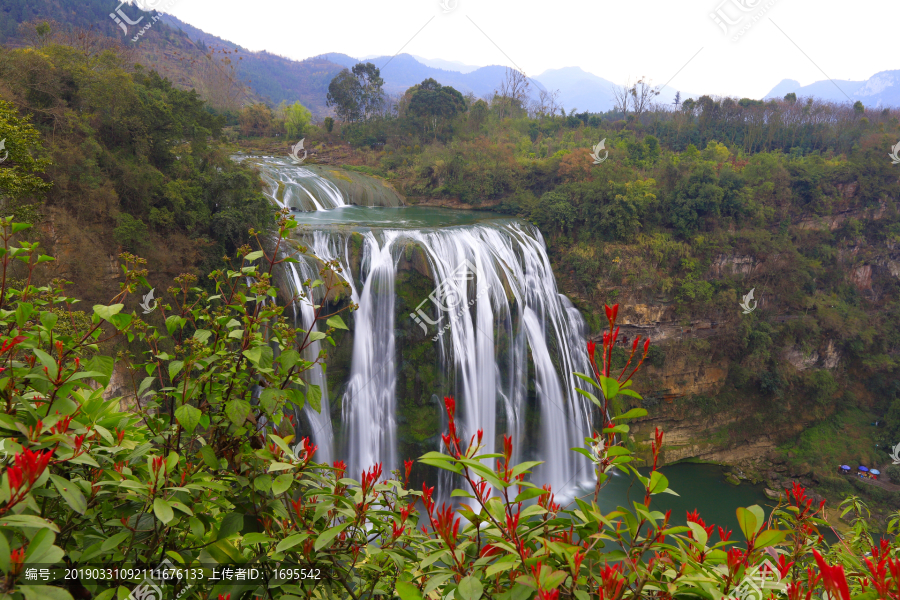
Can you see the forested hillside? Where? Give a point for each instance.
(682, 214)
(191, 59)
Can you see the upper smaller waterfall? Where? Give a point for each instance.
(311, 188)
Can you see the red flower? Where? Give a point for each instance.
(833, 578)
(612, 313)
(407, 466)
(16, 560)
(11, 343)
(31, 465)
(694, 517)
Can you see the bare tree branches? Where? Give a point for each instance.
(512, 93)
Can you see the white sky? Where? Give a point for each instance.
(612, 39)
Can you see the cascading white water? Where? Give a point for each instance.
(319, 422)
(293, 186)
(495, 318)
(369, 406)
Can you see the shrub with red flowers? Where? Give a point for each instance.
(204, 471)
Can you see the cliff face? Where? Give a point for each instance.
(731, 385)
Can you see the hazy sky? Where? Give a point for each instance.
(615, 40)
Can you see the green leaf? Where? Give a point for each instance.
(282, 483)
(115, 541)
(106, 312)
(529, 493)
(71, 493)
(337, 322)
(314, 397)
(101, 364)
(634, 413)
(263, 483)
(202, 335)
(256, 538)
(188, 417)
(769, 537)
(658, 483)
(270, 398)
(298, 398)
(747, 522)
(261, 356)
(699, 533)
(231, 524)
(328, 535)
(175, 368)
(759, 514)
(163, 510)
(280, 466)
(48, 319)
(470, 588)
(408, 591)
(290, 541)
(237, 411)
(254, 256)
(47, 362)
(209, 457)
(289, 358)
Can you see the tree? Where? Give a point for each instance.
(329, 124)
(296, 119)
(547, 104)
(356, 94)
(622, 97)
(371, 98)
(344, 95)
(479, 112)
(435, 103)
(790, 97)
(21, 160)
(512, 93)
(257, 120)
(642, 95)
(858, 107)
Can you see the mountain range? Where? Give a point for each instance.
(176, 48)
(878, 91)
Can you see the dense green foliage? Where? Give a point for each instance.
(200, 476)
(126, 151)
(691, 210)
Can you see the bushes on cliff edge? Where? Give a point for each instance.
(204, 474)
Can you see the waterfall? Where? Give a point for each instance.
(297, 187)
(369, 404)
(505, 339)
